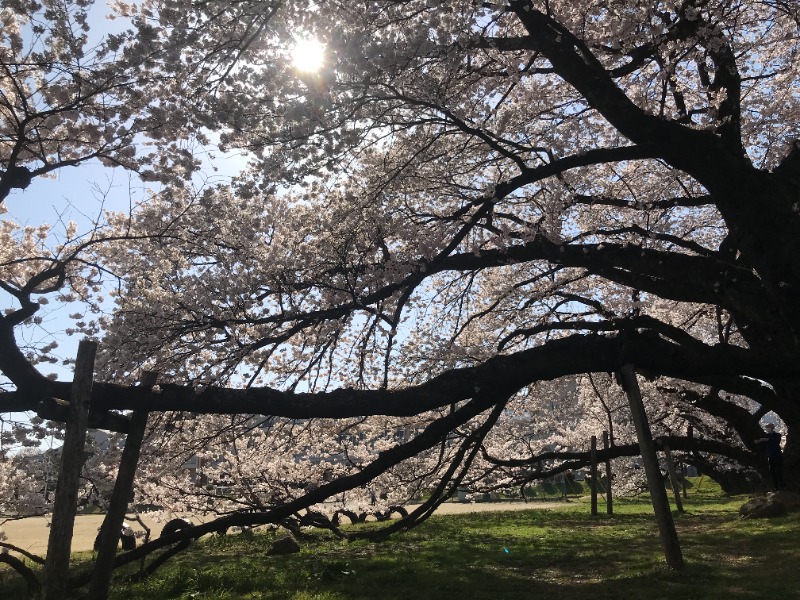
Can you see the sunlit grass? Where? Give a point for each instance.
(563, 553)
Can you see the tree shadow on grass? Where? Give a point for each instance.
(500, 556)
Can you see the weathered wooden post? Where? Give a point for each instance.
(666, 525)
(690, 435)
(593, 459)
(59, 545)
(108, 538)
(673, 478)
(609, 499)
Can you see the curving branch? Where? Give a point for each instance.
(24, 570)
(433, 434)
(556, 358)
(32, 557)
(449, 482)
(671, 275)
(575, 459)
(682, 202)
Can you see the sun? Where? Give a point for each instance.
(308, 55)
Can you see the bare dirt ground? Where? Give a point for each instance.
(31, 534)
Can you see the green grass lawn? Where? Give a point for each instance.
(564, 553)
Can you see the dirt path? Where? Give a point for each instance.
(31, 534)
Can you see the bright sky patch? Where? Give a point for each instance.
(308, 55)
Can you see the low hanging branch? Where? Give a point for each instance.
(556, 358)
(31, 557)
(433, 434)
(687, 444)
(447, 484)
(24, 570)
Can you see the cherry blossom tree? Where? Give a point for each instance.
(66, 100)
(605, 193)
(468, 201)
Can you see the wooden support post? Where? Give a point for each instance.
(593, 458)
(108, 538)
(690, 435)
(59, 545)
(673, 478)
(609, 497)
(666, 525)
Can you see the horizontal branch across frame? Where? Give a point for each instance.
(579, 353)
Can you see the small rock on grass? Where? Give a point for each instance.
(284, 545)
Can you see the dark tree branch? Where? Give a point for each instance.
(432, 435)
(683, 202)
(577, 459)
(24, 570)
(31, 557)
(554, 359)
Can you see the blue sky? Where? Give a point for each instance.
(81, 194)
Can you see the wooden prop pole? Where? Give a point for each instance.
(666, 525)
(609, 497)
(108, 538)
(59, 545)
(593, 458)
(673, 478)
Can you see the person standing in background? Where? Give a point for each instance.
(772, 441)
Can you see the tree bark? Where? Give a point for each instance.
(666, 525)
(56, 569)
(109, 535)
(673, 478)
(609, 497)
(593, 458)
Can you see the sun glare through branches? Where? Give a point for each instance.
(308, 55)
